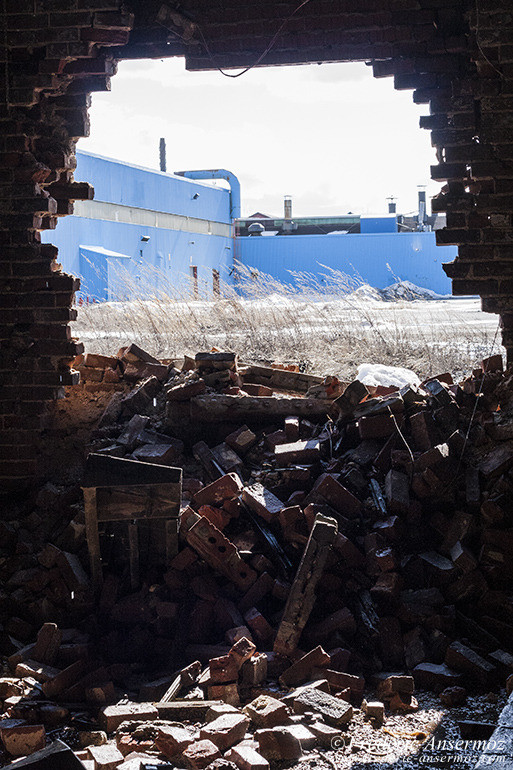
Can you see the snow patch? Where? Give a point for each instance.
(388, 376)
(365, 291)
(408, 291)
(401, 290)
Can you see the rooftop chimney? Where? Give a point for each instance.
(392, 208)
(162, 151)
(422, 210)
(287, 207)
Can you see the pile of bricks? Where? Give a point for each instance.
(458, 59)
(333, 538)
(129, 366)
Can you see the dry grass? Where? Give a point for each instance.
(327, 326)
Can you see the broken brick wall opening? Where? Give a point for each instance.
(457, 57)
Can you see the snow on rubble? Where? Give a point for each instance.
(388, 376)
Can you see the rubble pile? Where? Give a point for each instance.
(336, 542)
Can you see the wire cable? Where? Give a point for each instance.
(262, 56)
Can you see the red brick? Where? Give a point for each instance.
(226, 730)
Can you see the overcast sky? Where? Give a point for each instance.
(331, 136)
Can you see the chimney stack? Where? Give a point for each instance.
(162, 150)
(422, 209)
(287, 207)
(392, 208)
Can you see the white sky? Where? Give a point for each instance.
(331, 136)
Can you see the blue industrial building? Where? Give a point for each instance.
(378, 257)
(148, 233)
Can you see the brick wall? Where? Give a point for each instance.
(54, 53)
(50, 65)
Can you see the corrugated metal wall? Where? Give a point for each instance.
(378, 259)
(158, 225)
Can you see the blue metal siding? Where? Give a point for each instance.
(130, 185)
(378, 224)
(378, 259)
(163, 261)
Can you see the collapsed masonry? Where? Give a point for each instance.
(456, 56)
(329, 534)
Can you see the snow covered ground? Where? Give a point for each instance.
(325, 334)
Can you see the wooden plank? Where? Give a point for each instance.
(133, 554)
(152, 501)
(106, 471)
(171, 538)
(92, 536)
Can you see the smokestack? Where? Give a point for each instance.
(287, 207)
(422, 209)
(162, 151)
(392, 209)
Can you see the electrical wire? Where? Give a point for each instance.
(485, 57)
(262, 56)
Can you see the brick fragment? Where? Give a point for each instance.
(21, 739)
(229, 693)
(185, 390)
(242, 650)
(397, 491)
(106, 757)
(133, 354)
(218, 551)
(340, 680)
(262, 631)
(461, 658)
(278, 744)
(246, 758)
(254, 671)
(47, 644)
(302, 594)
(262, 502)
(397, 683)
(241, 440)
(298, 452)
(266, 711)
(333, 710)
(225, 488)
(301, 670)
(336, 495)
(223, 669)
(200, 754)
(435, 676)
(291, 427)
(111, 717)
(325, 735)
(226, 730)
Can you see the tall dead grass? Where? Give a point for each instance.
(327, 324)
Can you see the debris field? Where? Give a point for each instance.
(332, 548)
